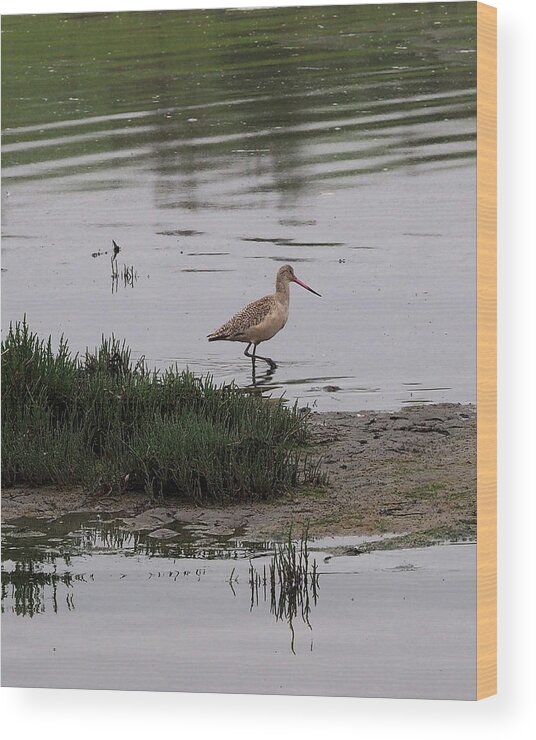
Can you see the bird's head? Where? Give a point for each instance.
(286, 273)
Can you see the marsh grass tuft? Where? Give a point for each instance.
(108, 423)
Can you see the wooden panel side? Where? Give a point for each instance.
(486, 351)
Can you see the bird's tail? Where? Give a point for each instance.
(215, 337)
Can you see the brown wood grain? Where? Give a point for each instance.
(486, 351)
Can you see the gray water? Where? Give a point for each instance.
(214, 146)
(86, 604)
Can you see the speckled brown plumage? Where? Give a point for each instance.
(235, 330)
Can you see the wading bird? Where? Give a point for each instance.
(262, 319)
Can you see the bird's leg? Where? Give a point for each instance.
(248, 354)
(253, 374)
(266, 359)
(254, 357)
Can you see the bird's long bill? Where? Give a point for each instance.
(306, 286)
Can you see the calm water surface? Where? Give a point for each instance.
(216, 146)
(88, 604)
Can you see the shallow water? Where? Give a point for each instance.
(88, 604)
(214, 146)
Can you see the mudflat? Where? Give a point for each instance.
(411, 472)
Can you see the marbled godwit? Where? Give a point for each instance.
(262, 319)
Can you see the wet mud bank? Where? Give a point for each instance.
(411, 473)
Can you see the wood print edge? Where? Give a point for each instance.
(486, 351)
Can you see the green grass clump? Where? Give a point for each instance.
(107, 423)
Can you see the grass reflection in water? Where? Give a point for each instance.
(290, 582)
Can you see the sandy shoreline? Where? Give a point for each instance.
(411, 472)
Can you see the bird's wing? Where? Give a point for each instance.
(249, 316)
